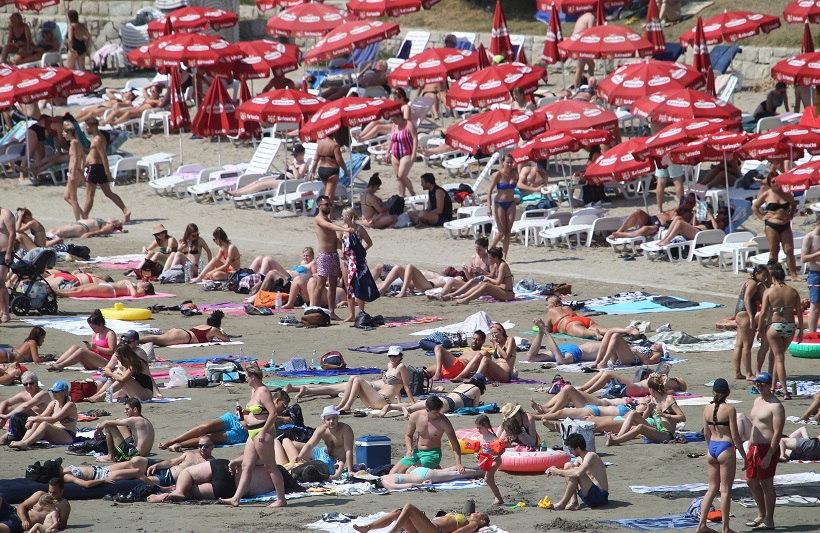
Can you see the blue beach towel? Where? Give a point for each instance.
(655, 524)
(341, 371)
(648, 306)
(217, 359)
(411, 345)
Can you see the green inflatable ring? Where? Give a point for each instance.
(808, 349)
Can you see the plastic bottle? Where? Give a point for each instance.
(189, 267)
(109, 394)
(242, 355)
(313, 360)
(278, 299)
(239, 413)
(272, 363)
(201, 266)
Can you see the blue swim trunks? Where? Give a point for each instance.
(595, 497)
(813, 281)
(573, 350)
(233, 429)
(320, 454)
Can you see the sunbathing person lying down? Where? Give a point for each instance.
(562, 318)
(116, 289)
(211, 331)
(88, 227)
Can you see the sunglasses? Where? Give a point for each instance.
(757, 383)
(205, 445)
(29, 383)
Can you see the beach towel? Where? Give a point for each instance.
(702, 400)
(779, 480)
(678, 521)
(328, 373)
(318, 380)
(201, 344)
(654, 304)
(804, 422)
(478, 321)
(147, 296)
(579, 367)
(621, 297)
(518, 298)
(690, 436)
(394, 322)
(78, 325)
(682, 342)
(382, 348)
(347, 527)
(116, 259)
(214, 359)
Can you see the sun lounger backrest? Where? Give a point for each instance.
(721, 57)
(264, 156)
(466, 40)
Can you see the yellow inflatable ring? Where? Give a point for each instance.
(119, 312)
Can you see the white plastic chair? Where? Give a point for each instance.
(578, 225)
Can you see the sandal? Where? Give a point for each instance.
(251, 310)
(288, 321)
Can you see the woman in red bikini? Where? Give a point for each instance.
(226, 261)
(209, 332)
(562, 319)
(60, 279)
(91, 355)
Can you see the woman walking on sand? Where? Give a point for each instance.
(781, 306)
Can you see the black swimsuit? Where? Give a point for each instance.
(78, 45)
(774, 206)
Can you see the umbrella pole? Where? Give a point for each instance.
(219, 141)
(563, 79)
(180, 146)
(726, 175)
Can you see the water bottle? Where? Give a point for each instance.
(239, 413)
(201, 266)
(189, 267)
(109, 394)
(313, 360)
(278, 299)
(272, 363)
(241, 355)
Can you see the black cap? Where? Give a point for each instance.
(721, 386)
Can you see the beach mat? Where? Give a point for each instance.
(78, 325)
(650, 306)
(328, 373)
(779, 480)
(396, 321)
(382, 348)
(318, 380)
(146, 297)
(203, 344)
(213, 359)
(681, 342)
(678, 521)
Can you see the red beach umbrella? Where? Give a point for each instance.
(500, 41)
(635, 80)
(349, 111)
(680, 133)
(713, 147)
(770, 145)
(701, 59)
(180, 116)
(483, 58)
(550, 54)
(802, 11)
(267, 5)
(807, 46)
(433, 65)
(281, 105)
(619, 164)
(557, 142)
(577, 115)
(803, 69)
(192, 19)
(389, 8)
(572, 7)
(677, 104)
(247, 128)
(77, 81)
(25, 86)
(654, 29)
(493, 130)
(733, 26)
(216, 115)
(34, 5)
(607, 42)
(800, 178)
(350, 35)
(305, 20)
(195, 50)
(710, 82)
(261, 58)
(494, 84)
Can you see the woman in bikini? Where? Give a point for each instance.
(115, 289)
(226, 261)
(688, 231)
(502, 206)
(19, 39)
(11, 374)
(374, 213)
(327, 162)
(467, 394)
(211, 331)
(747, 315)
(88, 227)
(412, 519)
(418, 477)
(78, 37)
(781, 207)
(641, 388)
(189, 249)
(614, 350)
(131, 379)
(60, 279)
(518, 427)
(378, 128)
(295, 281)
(498, 284)
(294, 170)
(780, 309)
(27, 351)
(401, 149)
(659, 426)
(91, 355)
(413, 278)
(117, 100)
(563, 354)
(500, 367)
(27, 222)
(159, 249)
(562, 319)
(48, 43)
(722, 440)
(57, 424)
(395, 378)
(478, 265)
(152, 99)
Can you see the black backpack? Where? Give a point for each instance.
(232, 284)
(311, 472)
(43, 473)
(395, 205)
(419, 382)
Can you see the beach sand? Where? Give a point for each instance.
(595, 271)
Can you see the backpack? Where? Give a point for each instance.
(315, 317)
(43, 473)
(80, 390)
(224, 372)
(311, 472)
(366, 321)
(395, 205)
(175, 274)
(295, 413)
(419, 381)
(149, 272)
(333, 358)
(232, 283)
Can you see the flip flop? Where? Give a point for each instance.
(754, 523)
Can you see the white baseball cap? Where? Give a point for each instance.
(394, 350)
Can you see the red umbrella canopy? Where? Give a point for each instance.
(673, 105)
(500, 39)
(433, 65)
(493, 130)
(247, 128)
(680, 133)
(577, 115)
(267, 5)
(193, 19)
(713, 147)
(607, 42)
(390, 8)
(550, 54)
(654, 29)
(557, 142)
(349, 111)
(350, 35)
(216, 114)
(803, 69)
(34, 5)
(194, 50)
(776, 143)
(282, 105)
(483, 59)
(701, 60)
(619, 163)
(263, 57)
(25, 86)
(802, 11)
(733, 26)
(800, 178)
(76, 81)
(494, 84)
(571, 7)
(807, 46)
(633, 81)
(180, 116)
(305, 20)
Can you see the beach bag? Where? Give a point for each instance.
(334, 359)
(179, 378)
(296, 364)
(311, 472)
(437, 338)
(366, 321)
(149, 271)
(175, 274)
(247, 283)
(615, 389)
(42, 473)
(582, 427)
(395, 205)
(267, 299)
(315, 317)
(419, 382)
(80, 390)
(232, 283)
(225, 372)
(295, 413)
(694, 510)
(17, 426)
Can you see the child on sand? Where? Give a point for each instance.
(47, 504)
(489, 458)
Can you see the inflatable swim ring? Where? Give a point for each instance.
(119, 312)
(465, 435)
(533, 462)
(809, 348)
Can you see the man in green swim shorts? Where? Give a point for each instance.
(127, 437)
(431, 426)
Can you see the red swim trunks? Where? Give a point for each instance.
(453, 371)
(755, 457)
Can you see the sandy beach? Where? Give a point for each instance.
(595, 271)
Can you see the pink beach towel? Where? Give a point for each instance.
(157, 295)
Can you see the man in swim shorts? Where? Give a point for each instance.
(449, 366)
(339, 443)
(127, 437)
(809, 256)
(768, 418)
(586, 477)
(165, 473)
(431, 426)
(328, 269)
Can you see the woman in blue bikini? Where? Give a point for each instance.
(722, 439)
(504, 209)
(420, 476)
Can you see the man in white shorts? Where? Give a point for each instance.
(673, 172)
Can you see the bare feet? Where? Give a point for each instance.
(127, 216)
(536, 406)
(740, 377)
(231, 501)
(334, 316)
(5, 317)
(705, 529)
(175, 448)
(610, 439)
(384, 410)
(163, 445)
(498, 501)
(351, 318)
(278, 503)
(361, 529)
(406, 413)
(105, 459)
(157, 498)
(18, 445)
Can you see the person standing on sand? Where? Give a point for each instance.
(74, 172)
(97, 172)
(431, 426)
(586, 477)
(7, 234)
(768, 418)
(328, 268)
(810, 255)
(584, 22)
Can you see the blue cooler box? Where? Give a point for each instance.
(373, 450)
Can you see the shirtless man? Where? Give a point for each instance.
(584, 22)
(431, 426)
(642, 224)
(562, 319)
(531, 178)
(798, 446)
(127, 437)
(328, 267)
(449, 366)
(29, 516)
(586, 477)
(97, 172)
(768, 418)
(810, 255)
(338, 438)
(32, 401)
(165, 473)
(7, 233)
